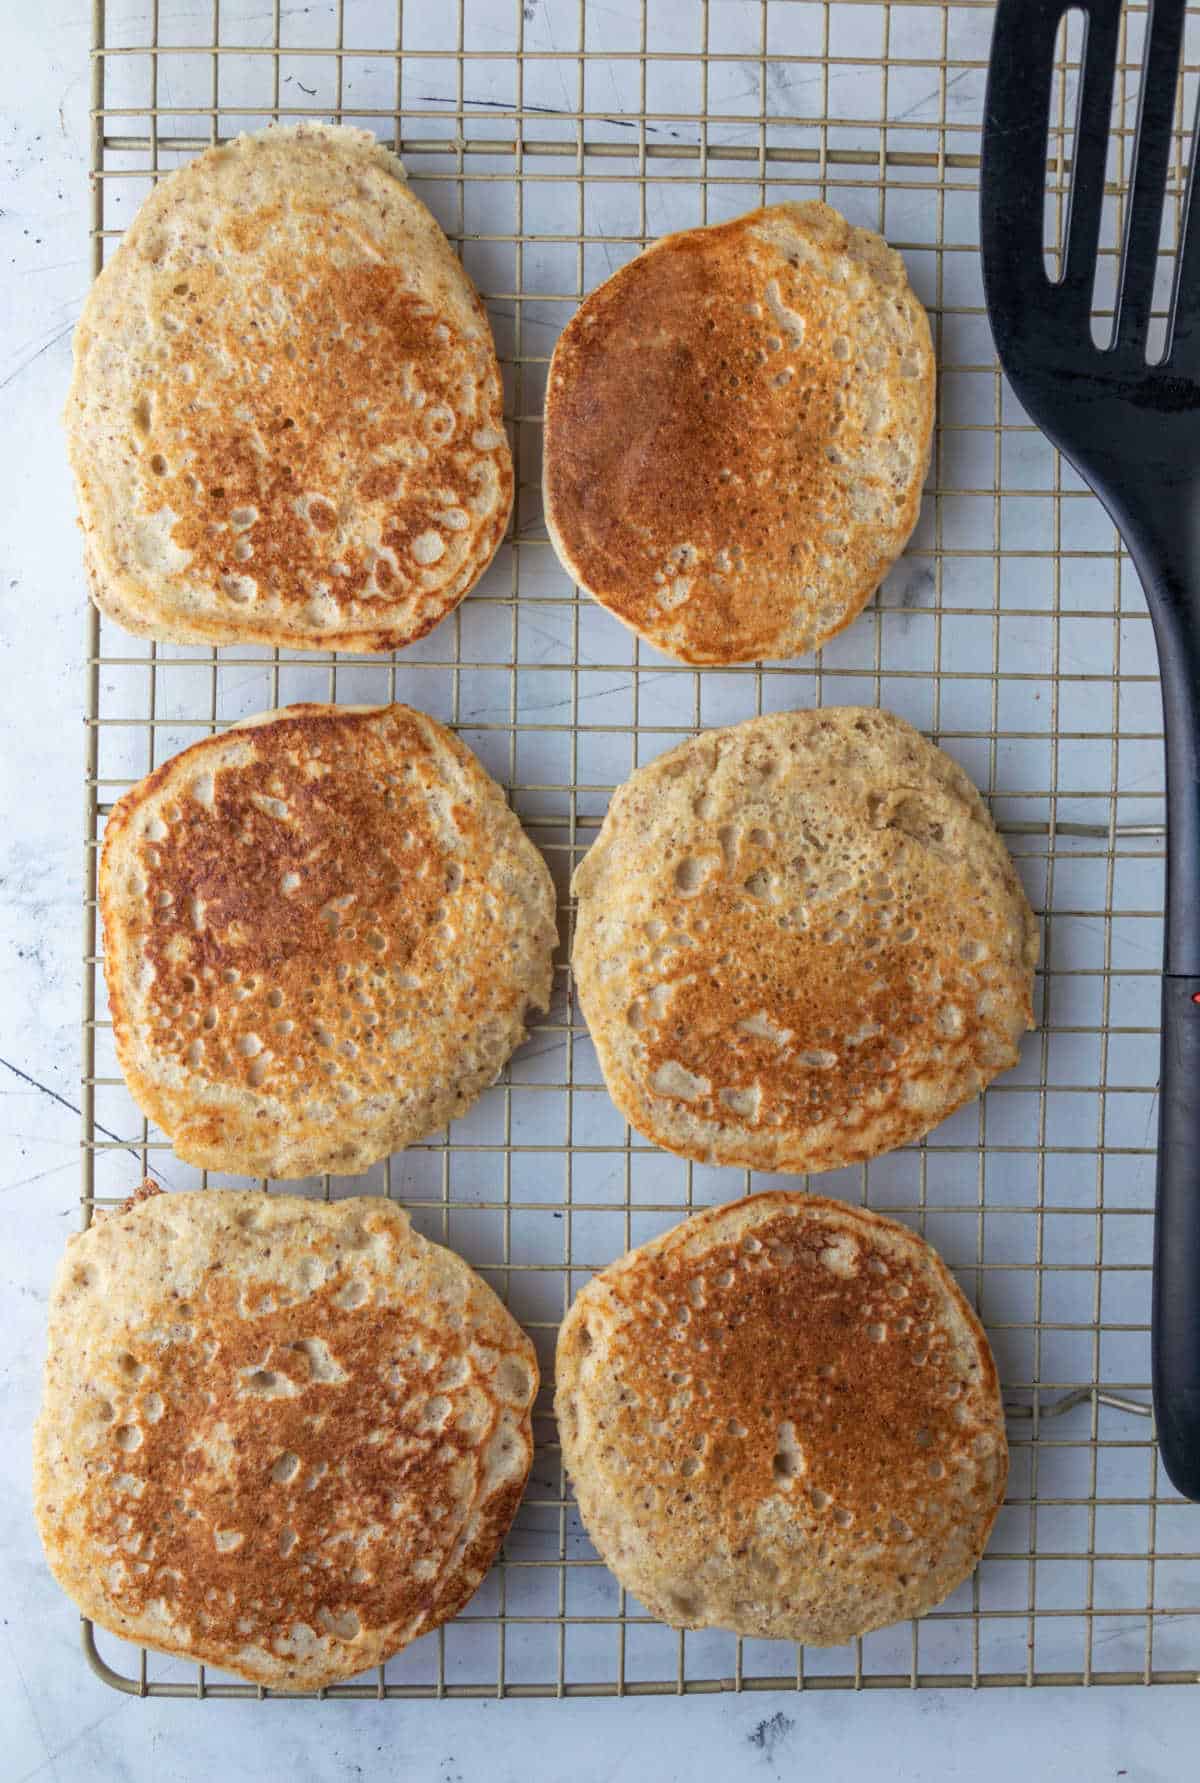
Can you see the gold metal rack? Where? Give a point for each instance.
(553, 139)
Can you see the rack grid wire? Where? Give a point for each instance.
(553, 139)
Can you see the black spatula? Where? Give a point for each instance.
(1133, 431)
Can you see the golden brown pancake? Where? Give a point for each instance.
(286, 416)
(277, 1435)
(738, 426)
(801, 942)
(323, 931)
(782, 1418)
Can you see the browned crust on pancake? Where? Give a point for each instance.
(318, 406)
(322, 935)
(745, 412)
(784, 1418)
(800, 942)
(263, 1413)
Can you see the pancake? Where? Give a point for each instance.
(284, 1437)
(800, 942)
(782, 1418)
(323, 930)
(285, 421)
(738, 427)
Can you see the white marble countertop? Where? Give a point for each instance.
(60, 1722)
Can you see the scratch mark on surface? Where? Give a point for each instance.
(39, 1176)
(551, 111)
(33, 1083)
(920, 103)
(33, 357)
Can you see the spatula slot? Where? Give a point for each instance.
(1145, 179)
(1126, 86)
(1172, 265)
(1060, 137)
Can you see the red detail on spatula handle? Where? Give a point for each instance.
(1176, 1342)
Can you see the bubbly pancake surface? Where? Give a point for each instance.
(323, 932)
(800, 942)
(286, 416)
(277, 1435)
(782, 1418)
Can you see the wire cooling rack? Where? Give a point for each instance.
(553, 139)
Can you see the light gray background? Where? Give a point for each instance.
(59, 1720)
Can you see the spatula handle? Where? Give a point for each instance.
(1176, 1327)
(1163, 535)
